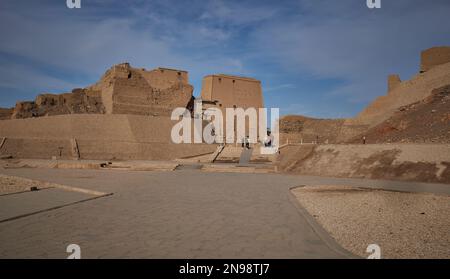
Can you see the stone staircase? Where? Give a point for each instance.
(217, 153)
(245, 157)
(229, 154)
(232, 154)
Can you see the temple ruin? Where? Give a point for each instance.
(124, 116)
(121, 90)
(224, 91)
(230, 92)
(433, 57)
(434, 73)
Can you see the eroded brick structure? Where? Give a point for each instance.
(121, 90)
(127, 90)
(433, 57)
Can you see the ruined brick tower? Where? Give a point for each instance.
(433, 57)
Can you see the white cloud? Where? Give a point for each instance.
(87, 46)
(279, 87)
(319, 40)
(10, 77)
(83, 46)
(237, 13)
(296, 109)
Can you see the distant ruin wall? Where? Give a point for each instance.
(79, 101)
(299, 129)
(405, 93)
(435, 74)
(6, 113)
(105, 137)
(100, 149)
(393, 82)
(433, 57)
(91, 127)
(426, 121)
(37, 148)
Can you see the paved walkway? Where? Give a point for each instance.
(16, 205)
(181, 214)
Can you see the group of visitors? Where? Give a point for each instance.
(268, 141)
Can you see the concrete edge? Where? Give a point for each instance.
(62, 187)
(22, 192)
(425, 187)
(318, 229)
(49, 185)
(52, 208)
(81, 190)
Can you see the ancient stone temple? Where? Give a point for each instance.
(224, 91)
(121, 90)
(125, 115)
(127, 90)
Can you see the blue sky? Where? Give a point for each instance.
(320, 58)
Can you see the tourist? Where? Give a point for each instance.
(268, 140)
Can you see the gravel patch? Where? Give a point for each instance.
(404, 225)
(11, 185)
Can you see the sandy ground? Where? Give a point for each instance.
(404, 225)
(10, 185)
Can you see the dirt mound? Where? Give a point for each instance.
(426, 121)
(297, 128)
(291, 156)
(410, 162)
